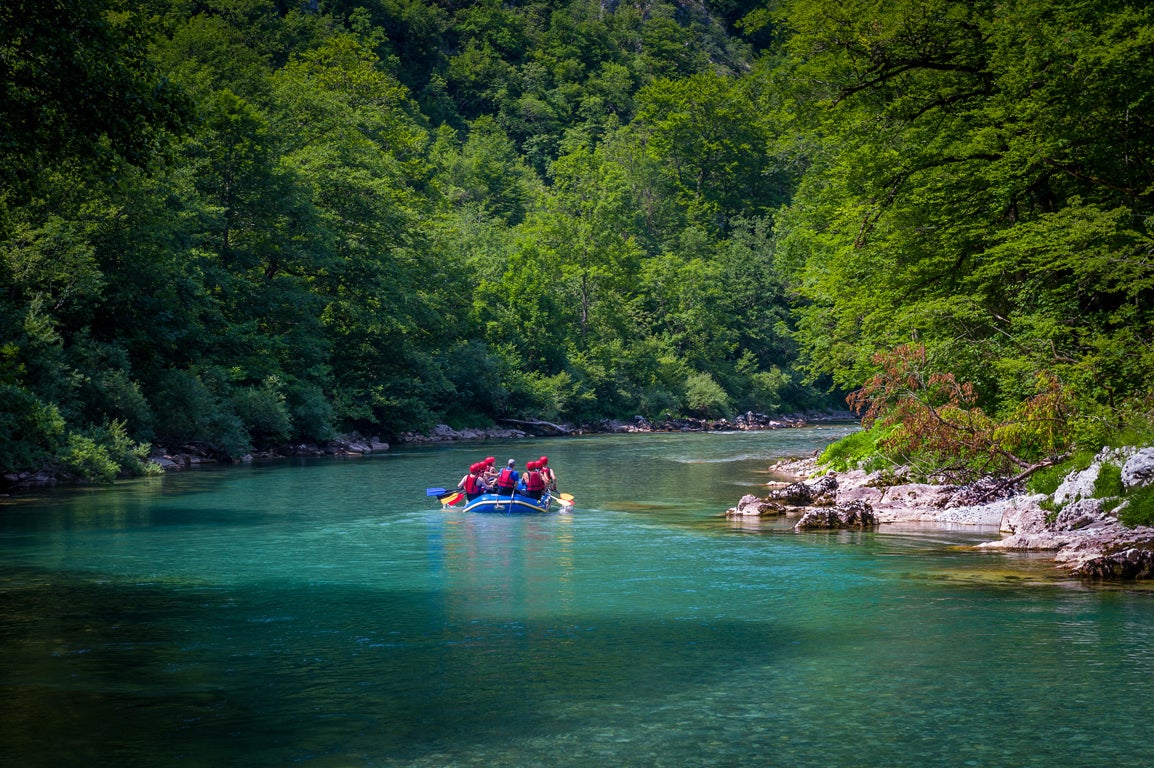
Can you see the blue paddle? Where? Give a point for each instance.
(434, 491)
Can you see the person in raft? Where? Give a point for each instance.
(533, 482)
(507, 479)
(473, 484)
(489, 473)
(547, 473)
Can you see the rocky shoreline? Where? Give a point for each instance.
(179, 457)
(520, 428)
(1083, 533)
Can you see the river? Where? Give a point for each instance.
(328, 613)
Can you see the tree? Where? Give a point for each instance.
(78, 85)
(705, 131)
(931, 421)
(959, 192)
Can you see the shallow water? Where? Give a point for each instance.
(327, 613)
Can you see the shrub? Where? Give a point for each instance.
(558, 396)
(704, 397)
(104, 453)
(131, 457)
(656, 402)
(475, 375)
(263, 412)
(941, 427)
(1047, 480)
(311, 411)
(122, 399)
(195, 413)
(85, 458)
(31, 431)
(767, 389)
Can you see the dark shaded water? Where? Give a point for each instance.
(327, 613)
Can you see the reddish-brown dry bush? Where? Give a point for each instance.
(942, 430)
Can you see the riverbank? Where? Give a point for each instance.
(1083, 533)
(520, 428)
(175, 458)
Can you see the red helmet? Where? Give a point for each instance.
(491, 460)
(476, 468)
(531, 465)
(543, 460)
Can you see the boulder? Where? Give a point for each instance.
(28, 479)
(1080, 485)
(752, 506)
(857, 514)
(167, 463)
(981, 491)
(1130, 563)
(536, 427)
(923, 495)
(822, 492)
(1139, 469)
(1080, 514)
(1023, 515)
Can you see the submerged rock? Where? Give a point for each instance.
(1130, 563)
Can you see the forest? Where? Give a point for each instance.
(245, 223)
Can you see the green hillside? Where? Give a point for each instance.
(242, 223)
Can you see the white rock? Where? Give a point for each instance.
(1139, 469)
(1078, 485)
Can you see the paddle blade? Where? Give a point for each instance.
(434, 491)
(450, 499)
(566, 497)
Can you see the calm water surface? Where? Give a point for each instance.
(326, 613)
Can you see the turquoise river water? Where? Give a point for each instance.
(327, 613)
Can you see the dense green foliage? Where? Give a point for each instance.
(244, 222)
(980, 185)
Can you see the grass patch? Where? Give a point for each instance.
(1139, 430)
(1109, 482)
(1047, 480)
(1140, 509)
(857, 451)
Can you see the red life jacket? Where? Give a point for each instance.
(473, 485)
(505, 479)
(534, 482)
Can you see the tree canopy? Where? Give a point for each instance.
(248, 222)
